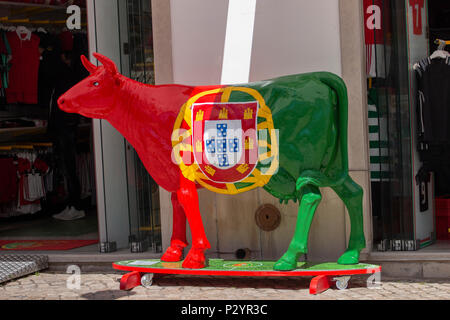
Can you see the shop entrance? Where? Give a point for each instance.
(128, 198)
(47, 170)
(137, 62)
(409, 169)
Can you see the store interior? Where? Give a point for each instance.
(46, 156)
(433, 142)
(408, 84)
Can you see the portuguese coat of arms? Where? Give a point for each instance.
(225, 140)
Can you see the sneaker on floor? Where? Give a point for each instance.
(62, 213)
(73, 214)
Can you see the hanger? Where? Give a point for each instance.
(7, 27)
(440, 52)
(23, 30)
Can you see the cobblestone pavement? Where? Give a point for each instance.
(96, 286)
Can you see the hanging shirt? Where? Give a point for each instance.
(433, 106)
(378, 140)
(433, 118)
(23, 76)
(66, 38)
(377, 38)
(61, 122)
(48, 67)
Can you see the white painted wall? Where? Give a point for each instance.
(198, 37)
(290, 36)
(295, 36)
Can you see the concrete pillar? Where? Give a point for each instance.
(353, 72)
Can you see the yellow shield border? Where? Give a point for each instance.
(193, 172)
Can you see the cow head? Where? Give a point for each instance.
(95, 96)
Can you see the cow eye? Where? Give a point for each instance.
(96, 84)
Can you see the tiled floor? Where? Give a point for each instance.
(440, 245)
(49, 228)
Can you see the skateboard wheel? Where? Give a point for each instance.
(342, 282)
(147, 280)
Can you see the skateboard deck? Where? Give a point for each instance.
(324, 273)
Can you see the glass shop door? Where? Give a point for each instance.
(390, 142)
(397, 37)
(137, 64)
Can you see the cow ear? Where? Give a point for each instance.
(107, 63)
(88, 65)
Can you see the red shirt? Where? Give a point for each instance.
(23, 76)
(376, 20)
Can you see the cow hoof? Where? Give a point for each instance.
(349, 257)
(285, 265)
(194, 260)
(172, 254)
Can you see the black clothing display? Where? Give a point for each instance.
(50, 56)
(433, 80)
(66, 148)
(433, 120)
(61, 121)
(63, 127)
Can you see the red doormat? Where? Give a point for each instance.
(43, 245)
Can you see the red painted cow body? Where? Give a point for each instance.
(108, 95)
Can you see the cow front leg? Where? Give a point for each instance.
(299, 244)
(178, 241)
(188, 198)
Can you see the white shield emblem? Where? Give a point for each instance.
(223, 143)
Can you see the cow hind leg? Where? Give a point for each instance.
(309, 198)
(178, 241)
(352, 196)
(188, 197)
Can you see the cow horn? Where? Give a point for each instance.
(88, 65)
(107, 63)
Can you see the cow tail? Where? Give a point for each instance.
(338, 85)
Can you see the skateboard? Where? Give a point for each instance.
(141, 272)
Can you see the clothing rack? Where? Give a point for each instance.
(440, 51)
(442, 43)
(29, 178)
(28, 6)
(39, 16)
(31, 146)
(38, 26)
(35, 22)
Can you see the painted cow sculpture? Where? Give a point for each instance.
(309, 111)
